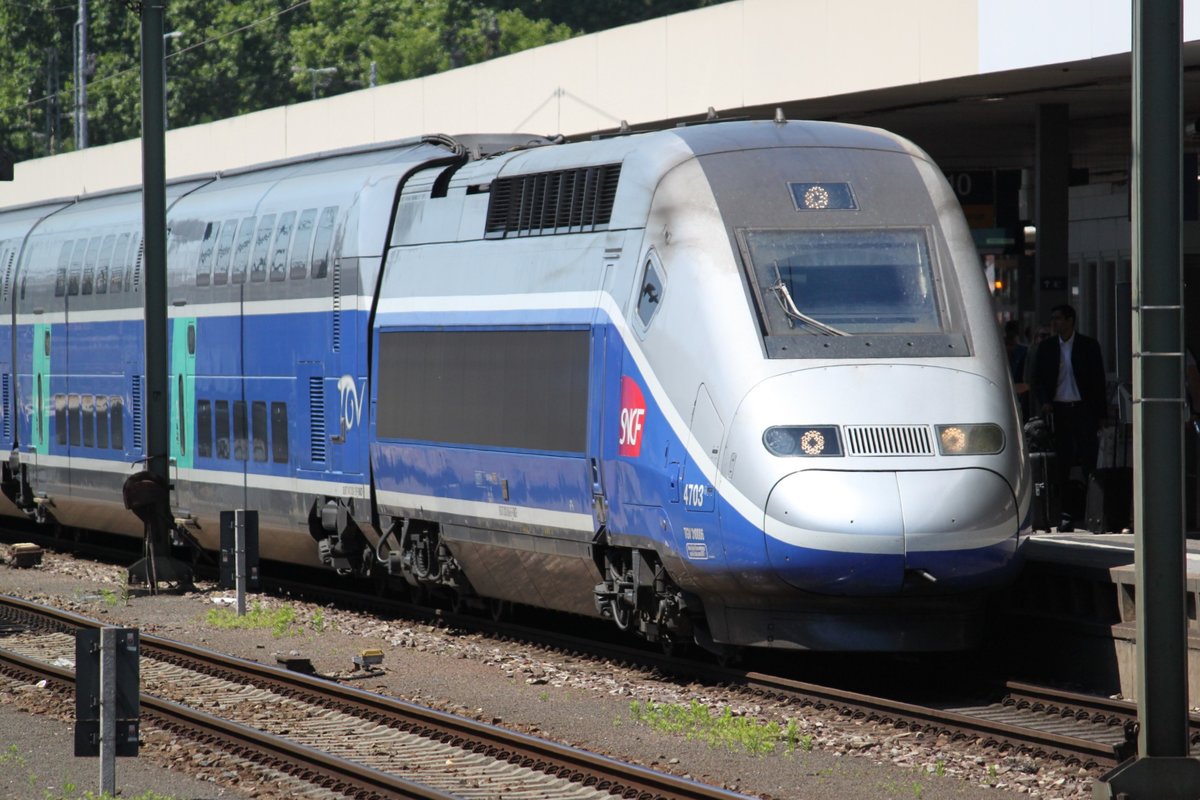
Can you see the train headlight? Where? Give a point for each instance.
(970, 440)
(800, 440)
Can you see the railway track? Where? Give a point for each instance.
(342, 742)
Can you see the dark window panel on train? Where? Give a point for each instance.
(300, 249)
(279, 433)
(120, 259)
(650, 295)
(258, 429)
(283, 237)
(204, 262)
(73, 422)
(223, 429)
(88, 404)
(105, 262)
(76, 268)
(204, 428)
(89, 265)
(224, 252)
(101, 419)
(116, 410)
(322, 242)
(240, 444)
(60, 276)
(241, 253)
(60, 418)
(262, 248)
(133, 271)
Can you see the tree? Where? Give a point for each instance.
(592, 17)
(34, 38)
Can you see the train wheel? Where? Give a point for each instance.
(674, 647)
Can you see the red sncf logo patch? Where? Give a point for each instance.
(633, 418)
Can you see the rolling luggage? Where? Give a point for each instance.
(1109, 504)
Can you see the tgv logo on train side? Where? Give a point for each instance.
(633, 418)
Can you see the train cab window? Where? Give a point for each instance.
(204, 428)
(240, 442)
(88, 404)
(204, 263)
(60, 276)
(241, 253)
(300, 248)
(844, 282)
(74, 424)
(102, 266)
(89, 266)
(651, 292)
(279, 433)
(76, 268)
(224, 252)
(116, 414)
(283, 237)
(223, 450)
(119, 259)
(262, 249)
(102, 421)
(258, 429)
(322, 242)
(60, 418)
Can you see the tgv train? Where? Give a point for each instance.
(737, 383)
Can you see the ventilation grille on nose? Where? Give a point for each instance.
(545, 203)
(888, 440)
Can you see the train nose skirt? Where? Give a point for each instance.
(870, 532)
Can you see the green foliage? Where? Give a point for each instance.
(233, 57)
(282, 621)
(592, 17)
(722, 729)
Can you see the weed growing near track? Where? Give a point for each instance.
(282, 621)
(13, 760)
(722, 728)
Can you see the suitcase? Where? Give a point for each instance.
(1042, 511)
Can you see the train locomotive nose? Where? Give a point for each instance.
(864, 533)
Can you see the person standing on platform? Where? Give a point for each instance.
(1069, 386)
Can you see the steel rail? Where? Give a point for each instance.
(607, 774)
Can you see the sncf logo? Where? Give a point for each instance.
(633, 418)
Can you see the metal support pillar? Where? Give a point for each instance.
(108, 711)
(1052, 171)
(1162, 769)
(81, 76)
(239, 558)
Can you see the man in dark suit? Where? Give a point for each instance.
(1069, 387)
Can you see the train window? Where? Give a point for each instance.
(222, 429)
(300, 253)
(258, 429)
(88, 404)
(283, 237)
(844, 282)
(262, 248)
(241, 253)
(106, 252)
(120, 256)
(279, 433)
(204, 263)
(89, 266)
(76, 268)
(60, 418)
(102, 421)
(73, 421)
(651, 292)
(60, 276)
(116, 412)
(322, 242)
(224, 252)
(133, 271)
(239, 431)
(204, 428)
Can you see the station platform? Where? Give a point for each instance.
(1074, 610)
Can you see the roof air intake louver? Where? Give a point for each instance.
(546, 203)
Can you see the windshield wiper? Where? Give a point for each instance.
(793, 314)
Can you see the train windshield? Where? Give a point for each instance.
(844, 282)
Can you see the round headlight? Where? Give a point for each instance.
(780, 441)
